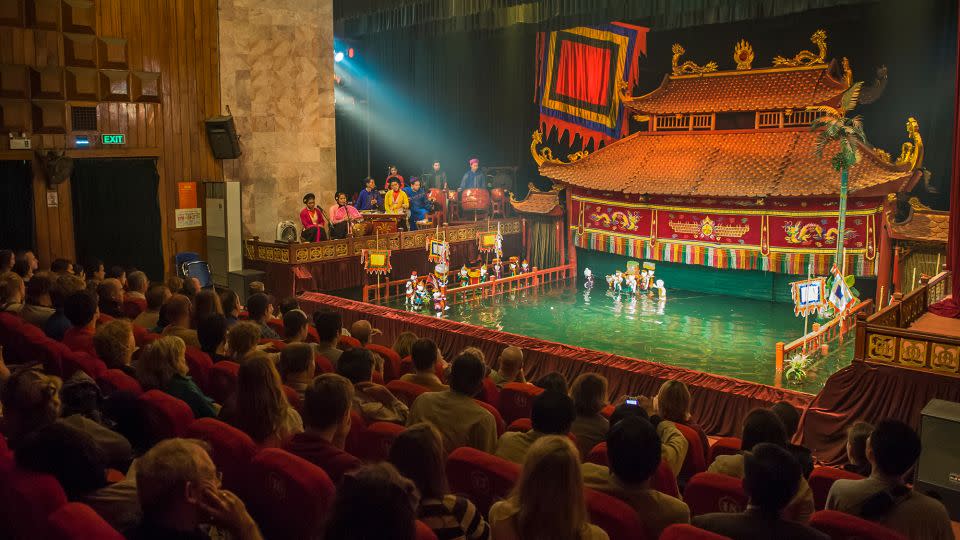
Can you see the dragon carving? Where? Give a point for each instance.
(812, 234)
(689, 67)
(545, 155)
(807, 58)
(912, 150)
(619, 219)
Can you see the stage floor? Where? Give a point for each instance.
(716, 334)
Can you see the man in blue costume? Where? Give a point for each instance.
(419, 204)
(368, 199)
(473, 178)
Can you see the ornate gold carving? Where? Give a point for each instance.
(707, 229)
(542, 156)
(913, 352)
(945, 358)
(743, 54)
(884, 156)
(807, 58)
(688, 67)
(912, 150)
(881, 348)
(847, 72)
(916, 204)
(577, 156)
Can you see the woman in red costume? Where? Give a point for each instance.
(311, 218)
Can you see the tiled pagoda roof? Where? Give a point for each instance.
(922, 225)
(539, 202)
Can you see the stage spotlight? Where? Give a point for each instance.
(338, 56)
(350, 52)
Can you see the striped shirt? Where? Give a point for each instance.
(453, 518)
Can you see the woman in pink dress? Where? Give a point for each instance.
(341, 214)
(311, 218)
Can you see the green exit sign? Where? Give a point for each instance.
(118, 138)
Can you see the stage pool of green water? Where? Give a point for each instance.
(717, 334)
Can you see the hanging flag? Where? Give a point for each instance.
(376, 261)
(840, 295)
(578, 74)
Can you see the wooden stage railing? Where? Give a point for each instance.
(885, 337)
(397, 288)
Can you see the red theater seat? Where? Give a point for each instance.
(489, 393)
(663, 479)
(277, 326)
(231, 449)
(695, 460)
(345, 343)
(26, 500)
(689, 532)
(516, 400)
(405, 391)
(377, 439)
(424, 532)
(406, 365)
(77, 521)
(73, 361)
(354, 442)
(324, 365)
(391, 361)
(132, 307)
(481, 477)
(288, 496)
(223, 380)
(724, 446)
(520, 424)
(501, 425)
(841, 526)
(199, 364)
(711, 492)
(293, 398)
(166, 416)
(312, 335)
(617, 518)
(114, 380)
(822, 479)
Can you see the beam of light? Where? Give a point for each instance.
(338, 56)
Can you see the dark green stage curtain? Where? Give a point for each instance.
(117, 214)
(16, 205)
(544, 251)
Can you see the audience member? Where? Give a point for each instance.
(242, 339)
(553, 381)
(547, 501)
(13, 291)
(295, 326)
(190, 288)
(328, 324)
(673, 445)
(418, 454)
(82, 312)
(23, 269)
(30, 257)
(552, 414)
(374, 502)
(212, 335)
(31, 400)
(163, 366)
(892, 450)
(179, 490)
(95, 269)
(110, 296)
(61, 266)
(58, 323)
(80, 467)
(857, 436)
(363, 332)
(7, 259)
(373, 401)
(589, 394)
(174, 283)
(790, 416)
(458, 417)
(260, 408)
(178, 314)
(156, 296)
(425, 355)
(771, 478)
(763, 426)
(39, 305)
(231, 306)
(634, 450)
(327, 403)
(673, 404)
(297, 366)
(289, 304)
(403, 345)
(118, 273)
(255, 287)
(115, 344)
(261, 311)
(207, 302)
(510, 367)
(137, 285)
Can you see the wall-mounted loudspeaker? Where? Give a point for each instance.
(222, 135)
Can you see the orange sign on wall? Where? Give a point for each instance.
(187, 195)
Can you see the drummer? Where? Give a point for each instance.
(436, 178)
(393, 174)
(419, 205)
(369, 198)
(473, 178)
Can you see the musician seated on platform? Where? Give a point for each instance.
(393, 175)
(312, 220)
(436, 178)
(419, 203)
(369, 197)
(473, 178)
(341, 216)
(396, 201)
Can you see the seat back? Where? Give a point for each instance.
(489, 393)
(377, 439)
(424, 532)
(598, 455)
(277, 326)
(617, 518)
(516, 400)
(324, 365)
(199, 364)
(822, 479)
(345, 343)
(711, 492)
(501, 425)
(695, 461)
(114, 380)
(231, 449)
(288, 496)
(663, 479)
(391, 361)
(77, 521)
(724, 446)
(73, 361)
(293, 398)
(133, 307)
(26, 500)
(483, 478)
(223, 380)
(354, 442)
(405, 391)
(166, 416)
(842, 526)
(682, 531)
(520, 424)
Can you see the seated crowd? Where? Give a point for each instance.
(297, 385)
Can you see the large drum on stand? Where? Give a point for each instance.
(476, 201)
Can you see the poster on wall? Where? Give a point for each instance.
(189, 217)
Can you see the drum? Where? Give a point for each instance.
(436, 195)
(498, 195)
(475, 199)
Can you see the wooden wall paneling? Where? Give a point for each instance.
(43, 14)
(12, 13)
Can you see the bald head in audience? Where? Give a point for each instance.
(363, 331)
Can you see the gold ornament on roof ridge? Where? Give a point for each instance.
(807, 58)
(545, 155)
(912, 150)
(743, 54)
(689, 67)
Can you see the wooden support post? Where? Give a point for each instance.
(778, 379)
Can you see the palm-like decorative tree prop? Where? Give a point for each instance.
(836, 127)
